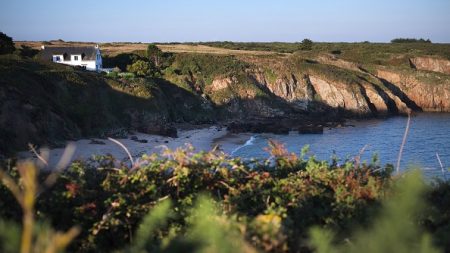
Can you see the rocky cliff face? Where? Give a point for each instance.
(298, 91)
(339, 95)
(350, 89)
(431, 64)
(417, 93)
(389, 93)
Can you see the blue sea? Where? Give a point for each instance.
(428, 138)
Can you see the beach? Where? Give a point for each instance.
(138, 144)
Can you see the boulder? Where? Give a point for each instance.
(310, 129)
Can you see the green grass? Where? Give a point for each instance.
(374, 53)
(207, 67)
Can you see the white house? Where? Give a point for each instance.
(87, 57)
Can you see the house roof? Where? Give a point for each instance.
(87, 53)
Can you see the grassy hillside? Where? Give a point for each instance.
(45, 102)
(359, 52)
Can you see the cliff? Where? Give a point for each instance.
(431, 64)
(46, 103)
(321, 83)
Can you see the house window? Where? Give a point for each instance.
(75, 57)
(57, 58)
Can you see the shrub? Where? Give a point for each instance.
(154, 54)
(122, 60)
(410, 40)
(306, 44)
(112, 74)
(35, 237)
(392, 231)
(140, 68)
(6, 44)
(336, 51)
(159, 204)
(26, 51)
(126, 75)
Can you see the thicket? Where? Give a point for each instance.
(6, 44)
(147, 63)
(306, 44)
(183, 201)
(410, 40)
(206, 67)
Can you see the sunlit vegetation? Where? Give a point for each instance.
(184, 201)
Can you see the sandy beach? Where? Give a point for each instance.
(202, 139)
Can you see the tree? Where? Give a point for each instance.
(26, 51)
(140, 68)
(410, 40)
(6, 44)
(143, 68)
(306, 44)
(154, 55)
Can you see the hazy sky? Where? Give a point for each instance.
(234, 20)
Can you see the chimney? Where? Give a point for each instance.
(42, 47)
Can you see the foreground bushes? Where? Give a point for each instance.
(208, 202)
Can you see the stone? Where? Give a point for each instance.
(97, 142)
(310, 129)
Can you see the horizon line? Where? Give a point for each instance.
(226, 41)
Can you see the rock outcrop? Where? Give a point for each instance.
(417, 91)
(335, 61)
(299, 92)
(220, 84)
(382, 91)
(431, 64)
(339, 95)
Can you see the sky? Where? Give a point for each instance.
(225, 20)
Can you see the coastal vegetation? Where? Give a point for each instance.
(6, 44)
(188, 201)
(184, 201)
(410, 40)
(150, 89)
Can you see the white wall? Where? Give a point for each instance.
(90, 65)
(72, 58)
(93, 65)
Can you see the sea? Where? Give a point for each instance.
(426, 147)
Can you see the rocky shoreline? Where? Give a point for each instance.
(282, 126)
(225, 136)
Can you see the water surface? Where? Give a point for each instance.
(429, 134)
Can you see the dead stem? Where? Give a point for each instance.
(124, 148)
(405, 135)
(442, 166)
